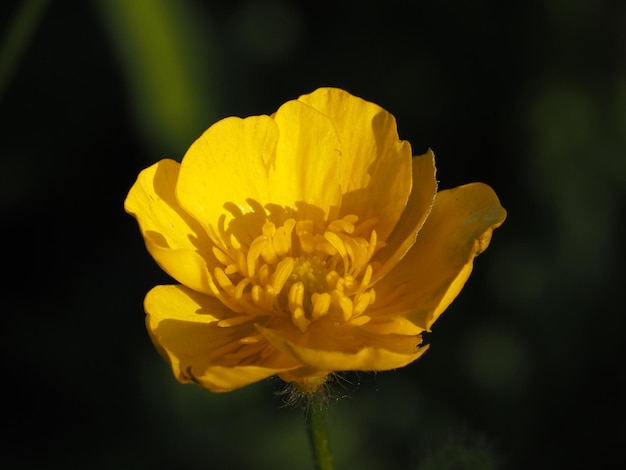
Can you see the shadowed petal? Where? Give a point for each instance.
(308, 154)
(183, 325)
(437, 266)
(229, 163)
(417, 209)
(362, 351)
(375, 164)
(177, 242)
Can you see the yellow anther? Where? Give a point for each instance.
(241, 285)
(365, 226)
(282, 238)
(321, 304)
(304, 231)
(337, 244)
(228, 301)
(264, 275)
(357, 252)
(250, 339)
(268, 229)
(295, 297)
(332, 278)
(268, 297)
(345, 225)
(281, 274)
(231, 269)
(372, 245)
(234, 242)
(256, 293)
(360, 321)
(300, 320)
(346, 307)
(295, 300)
(372, 294)
(256, 247)
(221, 256)
(361, 302)
(241, 263)
(234, 321)
(268, 254)
(324, 246)
(344, 303)
(365, 280)
(223, 280)
(349, 285)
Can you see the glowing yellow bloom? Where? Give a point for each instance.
(306, 242)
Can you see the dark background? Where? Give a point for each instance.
(525, 368)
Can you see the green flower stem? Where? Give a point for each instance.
(318, 436)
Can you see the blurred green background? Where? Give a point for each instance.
(525, 368)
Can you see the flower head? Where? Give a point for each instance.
(305, 242)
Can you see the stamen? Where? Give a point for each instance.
(232, 268)
(282, 238)
(344, 304)
(372, 245)
(268, 254)
(336, 242)
(256, 293)
(361, 303)
(295, 269)
(360, 321)
(241, 263)
(365, 280)
(250, 339)
(234, 321)
(241, 285)
(226, 300)
(264, 274)
(282, 273)
(221, 256)
(268, 229)
(296, 296)
(304, 231)
(256, 247)
(296, 299)
(300, 320)
(332, 278)
(349, 284)
(321, 305)
(223, 281)
(345, 225)
(268, 297)
(357, 251)
(365, 226)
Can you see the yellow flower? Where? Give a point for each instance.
(305, 242)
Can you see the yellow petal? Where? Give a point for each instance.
(177, 242)
(361, 352)
(375, 163)
(391, 325)
(308, 154)
(229, 163)
(184, 326)
(437, 266)
(417, 209)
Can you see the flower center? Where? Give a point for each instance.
(297, 270)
